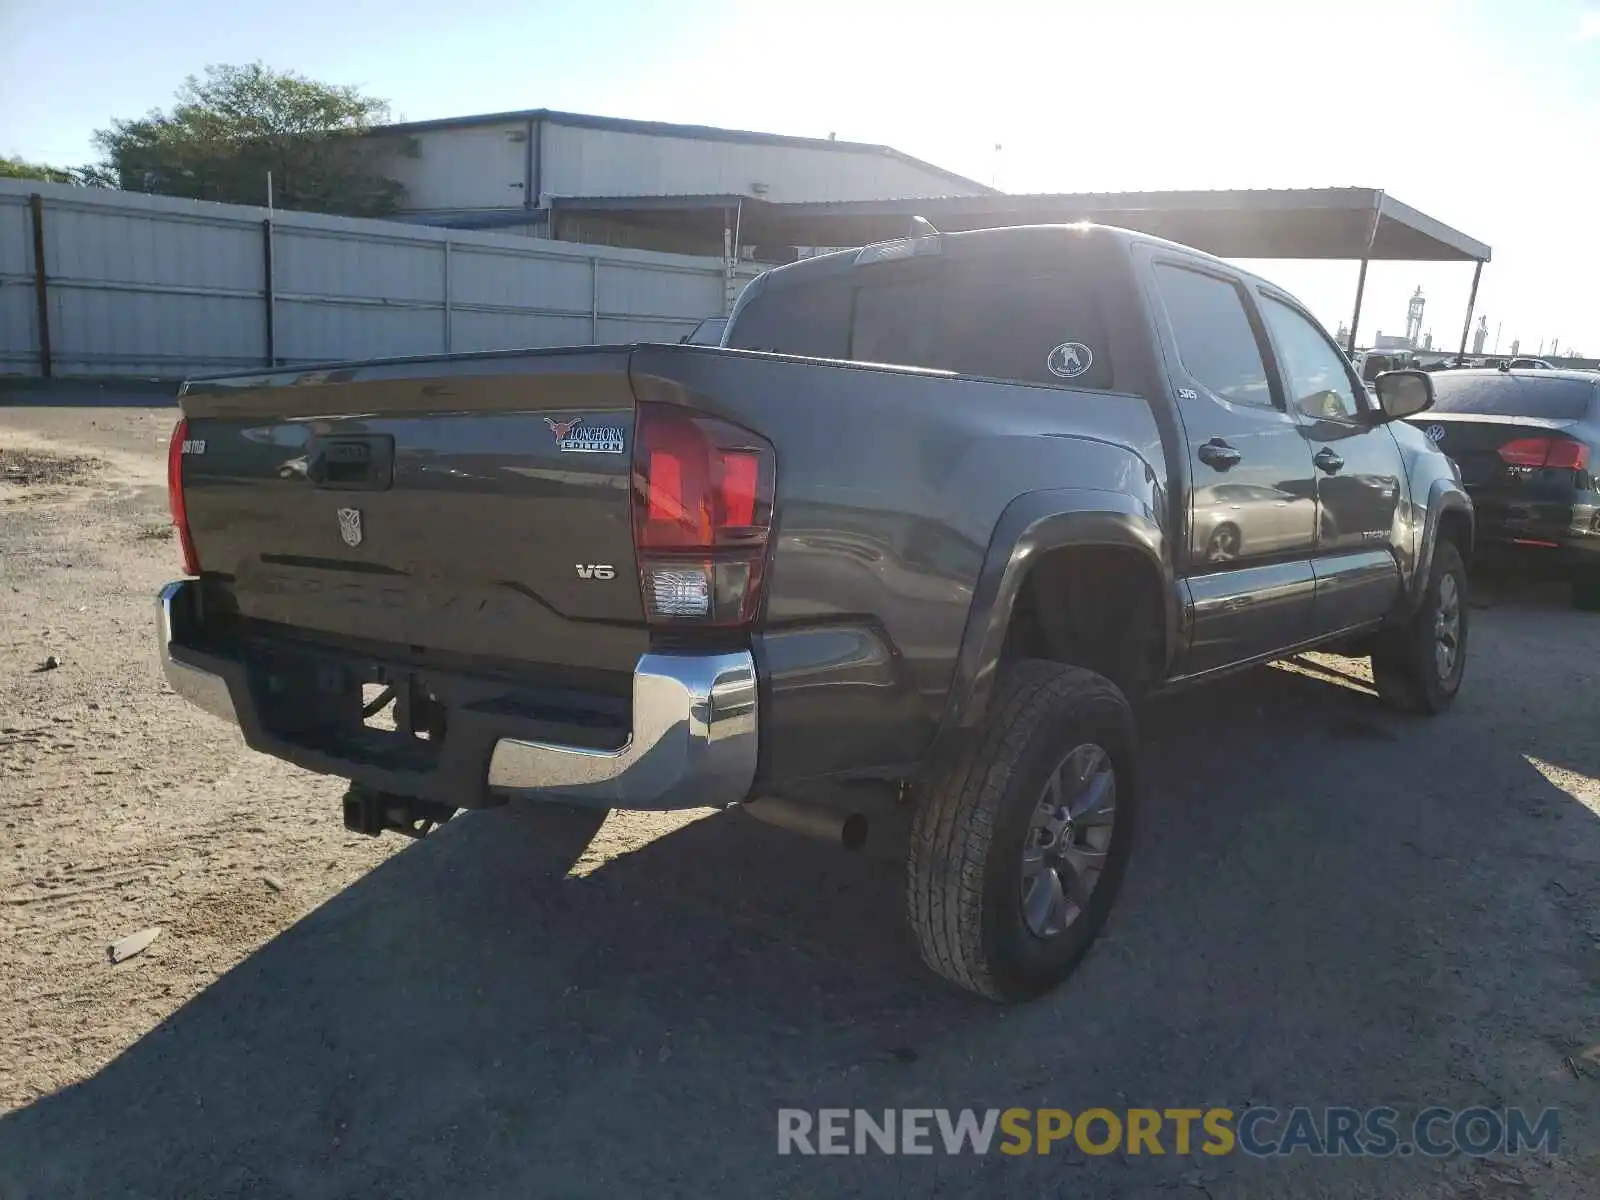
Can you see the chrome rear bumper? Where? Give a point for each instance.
(199, 687)
(693, 742)
(695, 729)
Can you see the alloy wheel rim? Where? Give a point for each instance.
(1447, 627)
(1068, 838)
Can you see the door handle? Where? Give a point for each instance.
(1217, 453)
(1328, 461)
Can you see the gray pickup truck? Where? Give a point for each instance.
(902, 552)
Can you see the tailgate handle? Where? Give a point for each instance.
(364, 463)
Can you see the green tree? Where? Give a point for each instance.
(229, 129)
(16, 168)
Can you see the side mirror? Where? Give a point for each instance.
(1403, 393)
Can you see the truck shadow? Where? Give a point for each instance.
(1325, 902)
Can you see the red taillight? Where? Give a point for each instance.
(1567, 454)
(702, 511)
(1561, 453)
(180, 514)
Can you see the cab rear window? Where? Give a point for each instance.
(1513, 396)
(810, 318)
(1034, 326)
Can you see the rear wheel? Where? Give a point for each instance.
(1418, 666)
(1018, 850)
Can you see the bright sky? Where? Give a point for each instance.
(1482, 113)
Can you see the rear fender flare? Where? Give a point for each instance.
(1033, 525)
(1444, 496)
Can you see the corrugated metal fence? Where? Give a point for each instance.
(154, 286)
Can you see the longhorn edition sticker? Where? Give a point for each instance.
(575, 437)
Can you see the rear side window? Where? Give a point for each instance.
(1216, 343)
(1513, 396)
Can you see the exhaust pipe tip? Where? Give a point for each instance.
(825, 824)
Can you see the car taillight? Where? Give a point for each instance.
(1562, 453)
(180, 514)
(702, 512)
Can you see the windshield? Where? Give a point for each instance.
(1513, 396)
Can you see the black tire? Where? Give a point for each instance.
(964, 876)
(1586, 590)
(1404, 663)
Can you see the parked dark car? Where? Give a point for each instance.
(1527, 443)
(901, 553)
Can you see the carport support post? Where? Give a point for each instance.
(1355, 317)
(1472, 300)
(1361, 280)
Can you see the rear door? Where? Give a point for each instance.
(1252, 512)
(1359, 480)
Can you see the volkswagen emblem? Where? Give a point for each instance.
(1435, 433)
(350, 526)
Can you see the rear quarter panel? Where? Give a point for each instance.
(890, 485)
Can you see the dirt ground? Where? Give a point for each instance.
(1328, 905)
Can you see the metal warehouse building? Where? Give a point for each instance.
(511, 171)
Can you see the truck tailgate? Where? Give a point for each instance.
(475, 507)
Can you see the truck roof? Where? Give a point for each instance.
(977, 242)
(1021, 241)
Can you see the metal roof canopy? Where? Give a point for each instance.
(1310, 223)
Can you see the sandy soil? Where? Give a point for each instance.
(1328, 905)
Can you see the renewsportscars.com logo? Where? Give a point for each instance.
(1259, 1132)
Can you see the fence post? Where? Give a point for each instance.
(267, 292)
(41, 285)
(448, 337)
